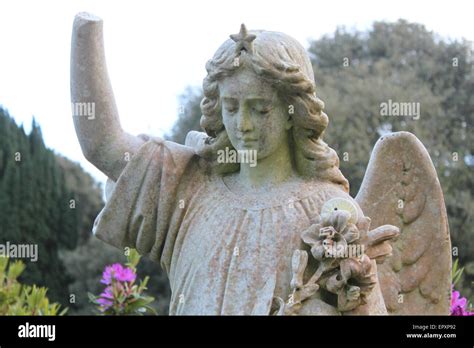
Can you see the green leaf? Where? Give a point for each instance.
(92, 298)
(16, 268)
(456, 272)
(3, 264)
(133, 259)
(134, 306)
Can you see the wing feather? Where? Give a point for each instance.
(401, 188)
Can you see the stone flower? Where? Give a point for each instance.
(331, 236)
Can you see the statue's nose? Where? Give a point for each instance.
(244, 122)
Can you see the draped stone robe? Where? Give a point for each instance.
(224, 252)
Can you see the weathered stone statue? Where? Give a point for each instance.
(274, 233)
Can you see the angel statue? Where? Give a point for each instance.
(275, 236)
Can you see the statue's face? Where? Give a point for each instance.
(253, 115)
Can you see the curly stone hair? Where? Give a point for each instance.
(284, 64)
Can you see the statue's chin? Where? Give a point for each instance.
(314, 306)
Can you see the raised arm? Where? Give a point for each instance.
(103, 142)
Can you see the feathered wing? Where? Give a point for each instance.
(401, 188)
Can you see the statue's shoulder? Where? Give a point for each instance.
(324, 187)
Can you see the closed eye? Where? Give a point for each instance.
(265, 111)
(231, 110)
(262, 106)
(231, 105)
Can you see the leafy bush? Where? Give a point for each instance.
(19, 299)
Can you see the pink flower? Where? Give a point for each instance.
(104, 303)
(119, 273)
(459, 305)
(105, 299)
(107, 293)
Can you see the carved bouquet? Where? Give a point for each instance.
(342, 248)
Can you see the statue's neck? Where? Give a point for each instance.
(271, 170)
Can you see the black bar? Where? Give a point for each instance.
(132, 330)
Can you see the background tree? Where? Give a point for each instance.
(189, 114)
(48, 200)
(34, 205)
(45, 199)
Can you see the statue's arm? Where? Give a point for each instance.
(103, 141)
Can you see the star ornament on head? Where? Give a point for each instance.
(243, 40)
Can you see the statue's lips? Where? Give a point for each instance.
(245, 139)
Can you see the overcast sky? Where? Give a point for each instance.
(155, 49)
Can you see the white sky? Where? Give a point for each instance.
(155, 49)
